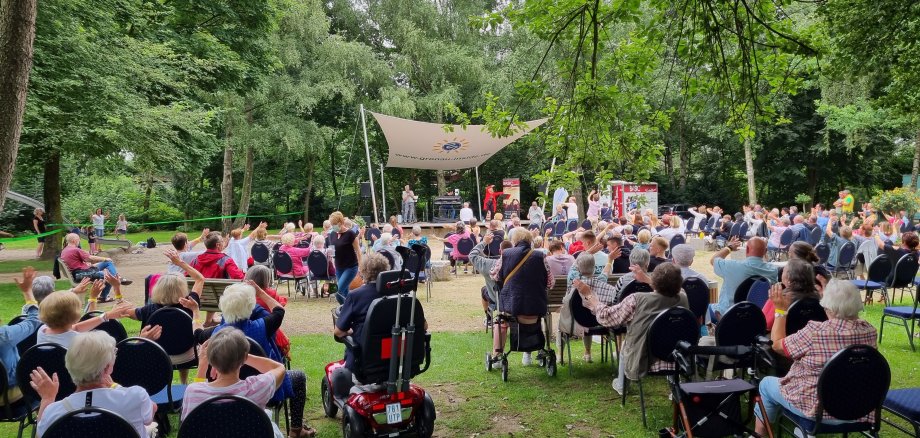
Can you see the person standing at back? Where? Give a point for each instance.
(347, 253)
(408, 205)
(38, 224)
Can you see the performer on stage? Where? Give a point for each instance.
(408, 205)
(490, 201)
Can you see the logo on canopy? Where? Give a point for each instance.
(456, 145)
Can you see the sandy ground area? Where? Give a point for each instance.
(455, 305)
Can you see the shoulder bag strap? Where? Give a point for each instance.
(518, 266)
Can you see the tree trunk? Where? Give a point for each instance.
(913, 172)
(246, 194)
(749, 165)
(307, 195)
(17, 32)
(148, 192)
(442, 182)
(226, 185)
(668, 163)
(333, 176)
(684, 153)
(52, 194)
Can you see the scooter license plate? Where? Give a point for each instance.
(394, 413)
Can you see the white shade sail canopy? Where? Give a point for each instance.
(422, 145)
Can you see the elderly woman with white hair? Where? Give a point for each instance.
(638, 261)
(604, 292)
(810, 348)
(90, 361)
(683, 256)
(388, 244)
(236, 305)
(297, 254)
(675, 227)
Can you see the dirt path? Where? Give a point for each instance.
(455, 304)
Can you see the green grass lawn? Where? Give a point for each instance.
(160, 236)
(473, 402)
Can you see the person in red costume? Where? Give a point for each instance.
(490, 201)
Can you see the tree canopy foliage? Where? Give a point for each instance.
(186, 108)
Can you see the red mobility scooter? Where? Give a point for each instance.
(376, 397)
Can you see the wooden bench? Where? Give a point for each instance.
(124, 244)
(65, 272)
(211, 292)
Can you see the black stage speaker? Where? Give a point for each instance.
(365, 190)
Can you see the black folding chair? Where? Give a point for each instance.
(28, 342)
(494, 248)
(678, 239)
(464, 247)
(584, 318)
(845, 256)
(824, 253)
(571, 225)
(142, 362)
(814, 236)
(586, 224)
(226, 416)
(697, 297)
(688, 229)
(740, 326)
(903, 403)
(260, 254)
(91, 422)
(876, 278)
(743, 230)
(317, 270)
(285, 267)
(902, 277)
(177, 337)
(836, 396)
(759, 292)
(670, 327)
(389, 257)
(559, 229)
(743, 289)
(735, 230)
(19, 411)
(906, 315)
(113, 327)
(548, 226)
(50, 357)
(801, 312)
(448, 247)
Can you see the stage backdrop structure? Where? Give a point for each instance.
(423, 145)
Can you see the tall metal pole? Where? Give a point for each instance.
(478, 195)
(370, 172)
(546, 192)
(383, 195)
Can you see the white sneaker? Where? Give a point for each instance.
(526, 360)
(617, 385)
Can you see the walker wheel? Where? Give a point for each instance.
(504, 369)
(488, 362)
(551, 363)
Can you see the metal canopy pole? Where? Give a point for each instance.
(478, 194)
(370, 172)
(383, 196)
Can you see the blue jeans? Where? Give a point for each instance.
(100, 232)
(343, 279)
(774, 402)
(96, 273)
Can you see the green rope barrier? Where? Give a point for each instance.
(32, 236)
(213, 218)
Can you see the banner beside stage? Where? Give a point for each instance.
(512, 200)
(631, 196)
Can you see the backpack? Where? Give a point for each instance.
(151, 243)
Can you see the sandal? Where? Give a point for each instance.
(298, 432)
